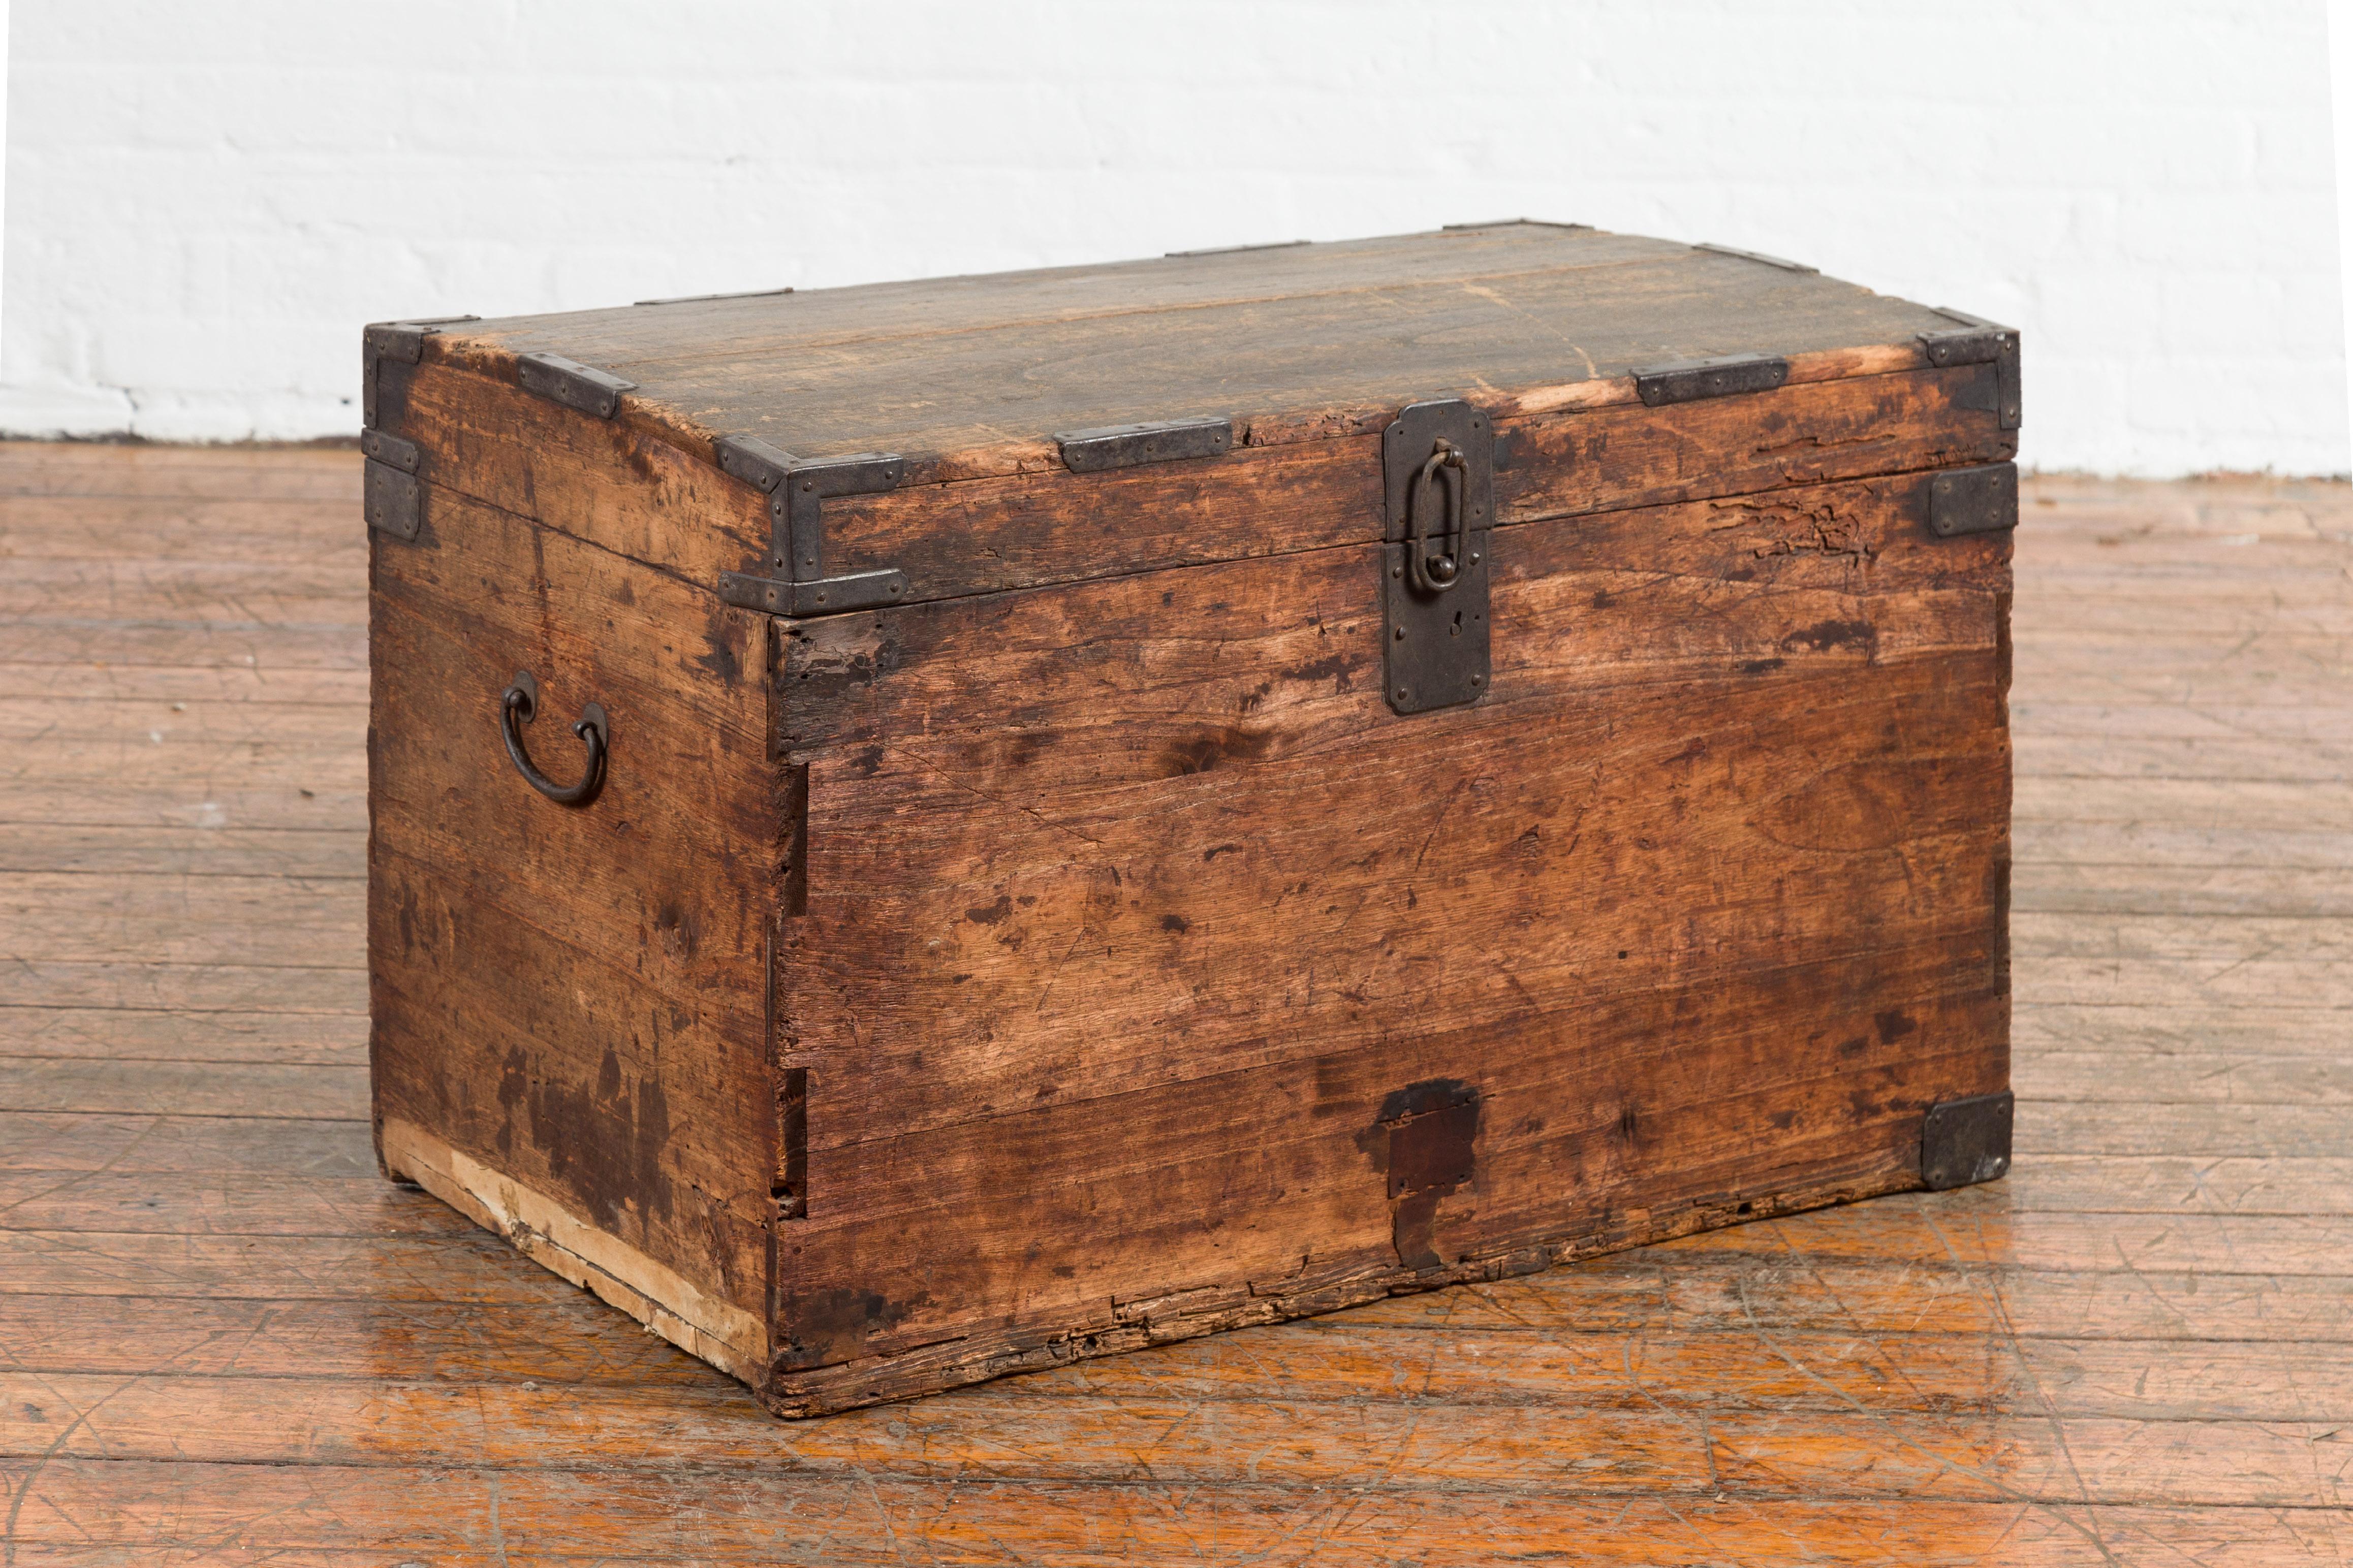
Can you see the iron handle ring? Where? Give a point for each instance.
(594, 730)
(1447, 466)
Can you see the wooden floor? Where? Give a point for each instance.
(223, 1339)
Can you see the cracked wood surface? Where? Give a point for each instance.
(223, 1339)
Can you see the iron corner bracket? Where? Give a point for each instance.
(391, 497)
(793, 580)
(1438, 462)
(400, 341)
(1964, 1142)
(1980, 500)
(1979, 341)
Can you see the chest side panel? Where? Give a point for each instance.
(569, 1008)
(1154, 973)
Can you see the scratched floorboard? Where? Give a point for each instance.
(223, 1340)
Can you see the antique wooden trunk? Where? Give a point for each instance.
(924, 831)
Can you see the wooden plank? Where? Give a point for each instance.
(2132, 659)
(2281, 1131)
(2056, 717)
(1517, 1414)
(116, 1034)
(153, 683)
(49, 806)
(179, 851)
(2321, 944)
(2155, 845)
(277, 593)
(114, 473)
(265, 1203)
(271, 1089)
(2304, 760)
(1790, 1290)
(2169, 1324)
(446, 1515)
(2217, 978)
(565, 1339)
(2299, 892)
(2189, 803)
(2171, 1078)
(473, 1267)
(30, 639)
(198, 987)
(2110, 1183)
(303, 726)
(224, 919)
(1978, 1229)
(221, 1204)
(1889, 1235)
(2276, 1027)
(253, 533)
(2134, 512)
(2161, 557)
(55, 1141)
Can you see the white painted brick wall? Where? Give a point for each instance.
(206, 202)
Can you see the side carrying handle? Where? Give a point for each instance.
(522, 702)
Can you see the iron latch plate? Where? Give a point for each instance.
(1436, 645)
(1981, 500)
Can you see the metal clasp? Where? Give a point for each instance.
(1436, 574)
(1439, 460)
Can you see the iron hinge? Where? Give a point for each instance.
(793, 581)
(1979, 341)
(401, 341)
(1690, 380)
(1964, 1142)
(1982, 499)
(1784, 263)
(571, 384)
(1130, 446)
(391, 497)
(1438, 463)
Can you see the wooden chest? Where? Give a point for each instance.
(1080, 808)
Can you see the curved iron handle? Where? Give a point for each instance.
(522, 701)
(1434, 574)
